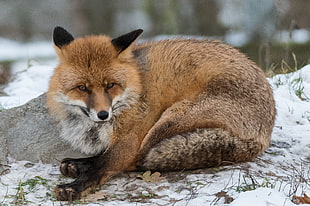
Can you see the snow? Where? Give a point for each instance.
(26, 85)
(271, 179)
(12, 51)
(300, 36)
(237, 38)
(261, 196)
(241, 38)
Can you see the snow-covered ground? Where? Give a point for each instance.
(271, 179)
(12, 50)
(27, 84)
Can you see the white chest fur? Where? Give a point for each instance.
(85, 135)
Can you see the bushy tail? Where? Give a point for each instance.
(200, 149)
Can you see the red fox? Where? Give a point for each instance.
(166, 105)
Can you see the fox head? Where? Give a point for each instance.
(96, 78)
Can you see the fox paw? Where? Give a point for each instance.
(67, 192)
(74, 167)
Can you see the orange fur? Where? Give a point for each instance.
(204, 91)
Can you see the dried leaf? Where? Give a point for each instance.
(227, 199)
(301, 200)
(149, 177)
(98, 195)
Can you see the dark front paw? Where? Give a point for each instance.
(67, 192)
(74, 167)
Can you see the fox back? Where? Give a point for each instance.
(229, 112)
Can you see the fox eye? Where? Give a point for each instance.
(110, 85)
(82, 88)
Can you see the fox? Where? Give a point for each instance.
(173, 104)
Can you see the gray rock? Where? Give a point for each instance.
(29, 133)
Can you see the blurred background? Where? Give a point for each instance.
(274, 33)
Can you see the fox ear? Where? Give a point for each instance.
(123, 42)
(61, 37)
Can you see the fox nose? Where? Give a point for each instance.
(103, 115)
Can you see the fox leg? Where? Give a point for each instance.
(182, 117)
(75, 167)
(75, 189)
(197, 131)
(117, 158)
